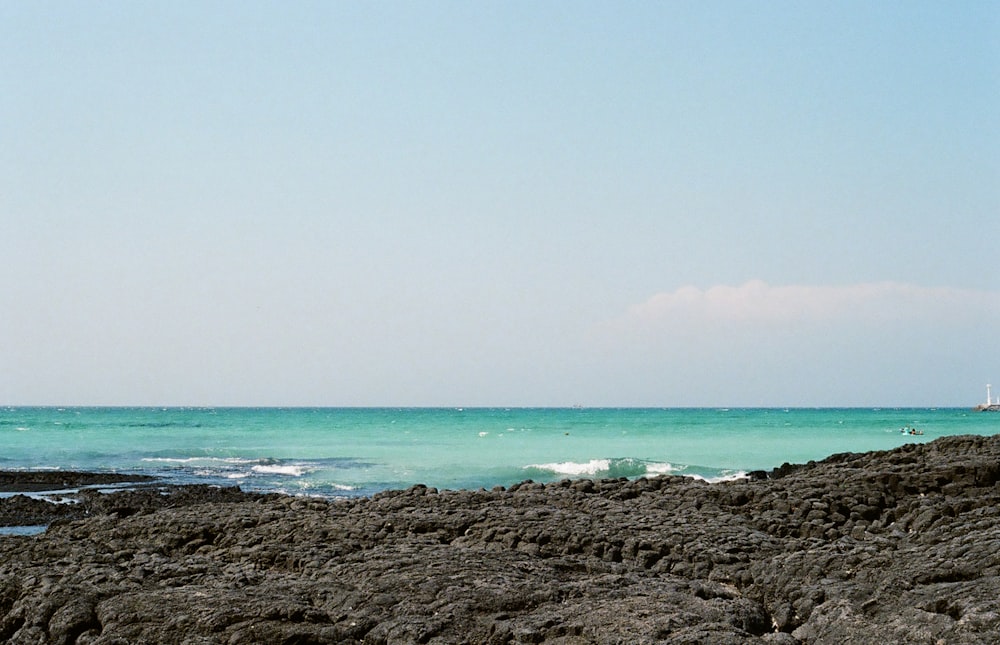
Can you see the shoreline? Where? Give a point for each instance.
(34, 499)
(358, 453)
(892, 546)
(43, 481)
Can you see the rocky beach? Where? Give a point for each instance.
(901, 546)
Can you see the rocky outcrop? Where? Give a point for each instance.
(48, 480)
(893, 547)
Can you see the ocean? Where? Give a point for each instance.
(333, 452)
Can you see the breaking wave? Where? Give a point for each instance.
(630, 468)
(620, 467)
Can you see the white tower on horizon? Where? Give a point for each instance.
(989, 396)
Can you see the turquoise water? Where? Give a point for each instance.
(346, 451)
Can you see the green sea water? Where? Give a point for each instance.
(360, 451)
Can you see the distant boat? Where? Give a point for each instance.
(990, 405)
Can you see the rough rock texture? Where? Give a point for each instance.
(43, 480)
(22, 510)
(893, 547)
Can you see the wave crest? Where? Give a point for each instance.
(632, 468)
(617, 467)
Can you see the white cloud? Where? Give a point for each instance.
(757, 302)
(875, 343)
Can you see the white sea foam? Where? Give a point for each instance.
(592, 467)
(279, 469)
(664, 468)
(722, 477)
(201, 460)
(306, 486)
(626, 467)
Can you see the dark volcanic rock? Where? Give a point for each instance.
(44, 480)
(21, 510)
(893, 547)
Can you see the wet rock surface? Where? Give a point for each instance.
(894, 547)
(47, 480)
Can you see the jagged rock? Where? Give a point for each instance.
(46, 480)
(896, 546)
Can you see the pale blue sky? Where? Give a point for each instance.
(499, 203)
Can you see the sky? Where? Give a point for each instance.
(499, 203)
